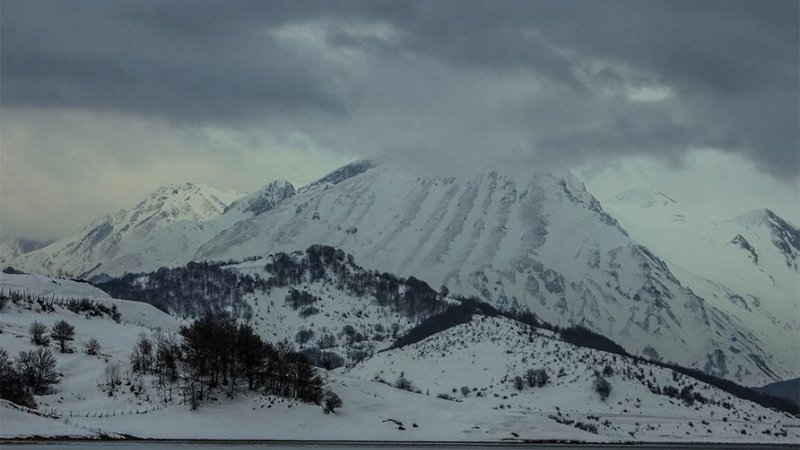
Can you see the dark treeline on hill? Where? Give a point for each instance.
(454, 315)
(206, 288)
(219, 353)
(411, 297)
(584, 337)
(194, 290)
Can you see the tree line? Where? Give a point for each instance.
(194, 290)
(410, 296)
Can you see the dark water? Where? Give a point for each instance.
(185, 445)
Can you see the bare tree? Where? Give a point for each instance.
(113, 376)
(63, 332)
(37, 369)
(38, 332)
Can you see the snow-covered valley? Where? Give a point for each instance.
(461, 381)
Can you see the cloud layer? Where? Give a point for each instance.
(442, 83)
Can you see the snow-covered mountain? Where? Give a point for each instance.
(746, 265)
(11, 248)
(161, 230)
(538, 243)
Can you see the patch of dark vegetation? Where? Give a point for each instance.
(410, 296)
(219, 354)
(194, 290)
(84, 306)
(452, 316)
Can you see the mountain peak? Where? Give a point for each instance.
(266, 198)
(186, 200)
(785, 236)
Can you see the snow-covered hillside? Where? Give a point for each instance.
(476, 363)
(164, 229)
(746, 265)
(335, 311)
(484, 354)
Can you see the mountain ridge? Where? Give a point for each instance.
(538, 242)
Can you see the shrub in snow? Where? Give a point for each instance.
(404, 384)
(92, 347)
(303, 336)
(602, 387)
(537, 377)
(331, 402)
(38, 332)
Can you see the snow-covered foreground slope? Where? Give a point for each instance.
(476, 364)
(478, 354)
(163, 229)
(747, 266)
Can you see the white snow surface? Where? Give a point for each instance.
(483, 354)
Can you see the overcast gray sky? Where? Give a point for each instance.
(102, 101)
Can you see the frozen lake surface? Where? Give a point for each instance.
(252, 445)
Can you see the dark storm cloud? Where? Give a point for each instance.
(143, 59)
(730, 67)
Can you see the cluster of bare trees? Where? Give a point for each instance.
(30, 373)
(219, 354)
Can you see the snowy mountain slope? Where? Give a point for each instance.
(372, 410)
(11, 248)
(755, 255)
(163, 229)
(541, 243)
(476, 363)
(746, 266)
(263, 200)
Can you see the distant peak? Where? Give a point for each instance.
(755, 217)
(345, 172)
(266, 198)
(644, 198)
